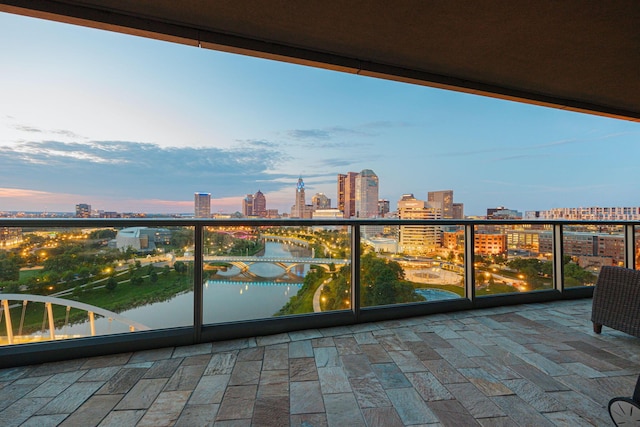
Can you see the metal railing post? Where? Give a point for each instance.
(198, 264)
(558, 258)
(629, 246)
(469, 267)
(355, 271)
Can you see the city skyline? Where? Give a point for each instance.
(135, 125)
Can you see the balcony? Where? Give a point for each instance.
(260, 277)
(486, 340)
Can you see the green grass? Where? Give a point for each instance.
(124, 297)
(26, 274)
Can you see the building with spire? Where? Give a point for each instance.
(300, 208)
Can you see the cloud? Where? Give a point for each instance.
(335, 162)
(27, 128)
(135, 170)
(20, 192)
(331, 132)
(304, 134)
(258, 143)
(521, 157)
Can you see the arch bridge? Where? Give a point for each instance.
(49, 302)
(287, 264)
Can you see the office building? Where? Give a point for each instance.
(83, 210)
(445, 198)
(320, 201)
(418, 239)
(247, 205)
(503, 213)
(383, 207)
(366, 203)
(259, 204)
(202, 203)
(347, 194)
(458, 211)
(594, 213)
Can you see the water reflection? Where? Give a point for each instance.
(224, 300)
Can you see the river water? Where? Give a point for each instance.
(223, 300)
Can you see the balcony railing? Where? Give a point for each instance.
(209, 280)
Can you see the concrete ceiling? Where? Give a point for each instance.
(571, 54)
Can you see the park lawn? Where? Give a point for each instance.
(26, 274)
(304, 302)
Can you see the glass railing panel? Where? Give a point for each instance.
(588, 247)
(411, 263)
(261, 272)
(61, 283)
(508, 259)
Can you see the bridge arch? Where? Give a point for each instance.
(50, 301)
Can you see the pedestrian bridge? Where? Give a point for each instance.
(49, 302)
(243, 263)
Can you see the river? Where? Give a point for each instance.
(223, 300)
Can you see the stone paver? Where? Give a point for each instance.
(537, 364)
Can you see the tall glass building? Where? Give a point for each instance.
(366, 194)
(202, 205)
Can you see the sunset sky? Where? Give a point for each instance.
(137, 125)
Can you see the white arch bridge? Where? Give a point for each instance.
(49, 302)
(243, 263)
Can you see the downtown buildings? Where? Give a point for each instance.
(255, 205)
(358, 194)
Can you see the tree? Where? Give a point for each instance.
(180, 267)
(103, 234)
(111, 284)
(153, 277)
(9, 267)
(136, 279)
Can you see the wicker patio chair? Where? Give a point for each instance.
(616, 300)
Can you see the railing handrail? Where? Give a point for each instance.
(293, 222)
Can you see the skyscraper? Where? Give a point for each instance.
(347, 193)
(366, 203)
(202, 205)
(445, 198)
(299, 209)
(248, 205)
(259, 204)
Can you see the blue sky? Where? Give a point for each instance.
(131, 124)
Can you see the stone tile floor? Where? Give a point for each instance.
(529, 365)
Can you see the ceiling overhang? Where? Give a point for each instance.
(574, 55)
